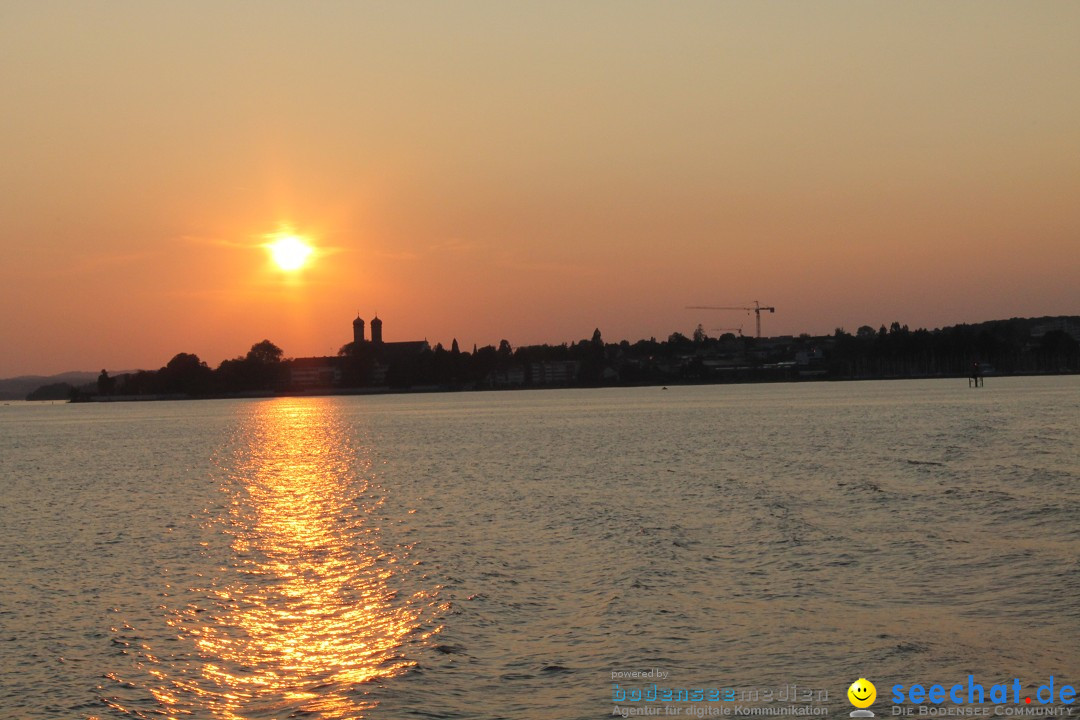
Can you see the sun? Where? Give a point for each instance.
(290, 252)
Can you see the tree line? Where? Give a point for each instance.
(1004, 347)
(1001, 347)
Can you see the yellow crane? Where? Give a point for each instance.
(756, 309)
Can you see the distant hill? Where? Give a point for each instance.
(17, 388)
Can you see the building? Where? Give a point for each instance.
(362, 362)
(513, 376)
(555, 372)
(315, 372)
(358, 330)
(384, 353)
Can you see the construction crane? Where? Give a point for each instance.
(756, 309)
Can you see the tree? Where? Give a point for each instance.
(105, 383)
(262, 368)
(699, 335)
(54, 391)
(1059, 350)
(185, 373)
(264, 352)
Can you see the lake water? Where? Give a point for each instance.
(499, 555)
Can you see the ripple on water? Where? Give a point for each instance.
(305, 608)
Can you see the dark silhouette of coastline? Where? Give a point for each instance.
(1018, 346)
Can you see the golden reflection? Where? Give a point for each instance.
(306, 612)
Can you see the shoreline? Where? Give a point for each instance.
(435, 389)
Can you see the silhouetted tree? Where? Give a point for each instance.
(261, 369)
(54, 391)
(264, 352)
(105, 383)
(185, 374)
(143, 382)
(1059, 351)
(678, 344)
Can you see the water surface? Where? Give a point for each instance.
(496, 555)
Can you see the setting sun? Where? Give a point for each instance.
(290, 252)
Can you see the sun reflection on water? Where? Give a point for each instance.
(309, 606)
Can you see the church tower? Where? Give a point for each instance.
(376, 330)
(358, 330)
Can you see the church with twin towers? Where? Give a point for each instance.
(383, 350)
(377, 356)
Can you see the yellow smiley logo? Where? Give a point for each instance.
(862, 693)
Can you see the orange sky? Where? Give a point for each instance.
(526, 170)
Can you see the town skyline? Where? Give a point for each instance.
(1018, 346)
(527, 171)
(1069, 325)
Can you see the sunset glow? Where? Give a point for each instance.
(849, 164)
(296, 516)
(290, 252)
